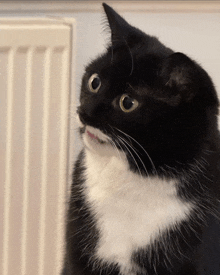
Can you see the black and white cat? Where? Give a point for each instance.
(146, 186)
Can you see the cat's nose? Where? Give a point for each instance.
(78, 110)
(82, 115)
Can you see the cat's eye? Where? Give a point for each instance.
(127, 103)
(94, 83)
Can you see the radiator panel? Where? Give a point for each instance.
(34, 98)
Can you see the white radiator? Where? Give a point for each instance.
(34, 105)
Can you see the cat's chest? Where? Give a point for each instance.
(130, 210)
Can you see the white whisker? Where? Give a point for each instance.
(133, 149)
(115, 146)
(139, 146)
(132, 158)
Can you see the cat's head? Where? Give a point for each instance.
(156, 105)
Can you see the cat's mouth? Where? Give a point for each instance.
(95, 135)
(92, 135)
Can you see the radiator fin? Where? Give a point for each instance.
(34, 98)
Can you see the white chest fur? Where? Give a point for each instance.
(131, 211)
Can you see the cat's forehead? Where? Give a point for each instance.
(125, 66)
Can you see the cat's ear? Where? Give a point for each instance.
(181, 76)
(121, 31)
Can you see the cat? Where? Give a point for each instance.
(146, 185)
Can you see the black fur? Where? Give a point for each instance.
(176, 123)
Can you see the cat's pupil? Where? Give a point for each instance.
(95, 83)
(128, 102)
